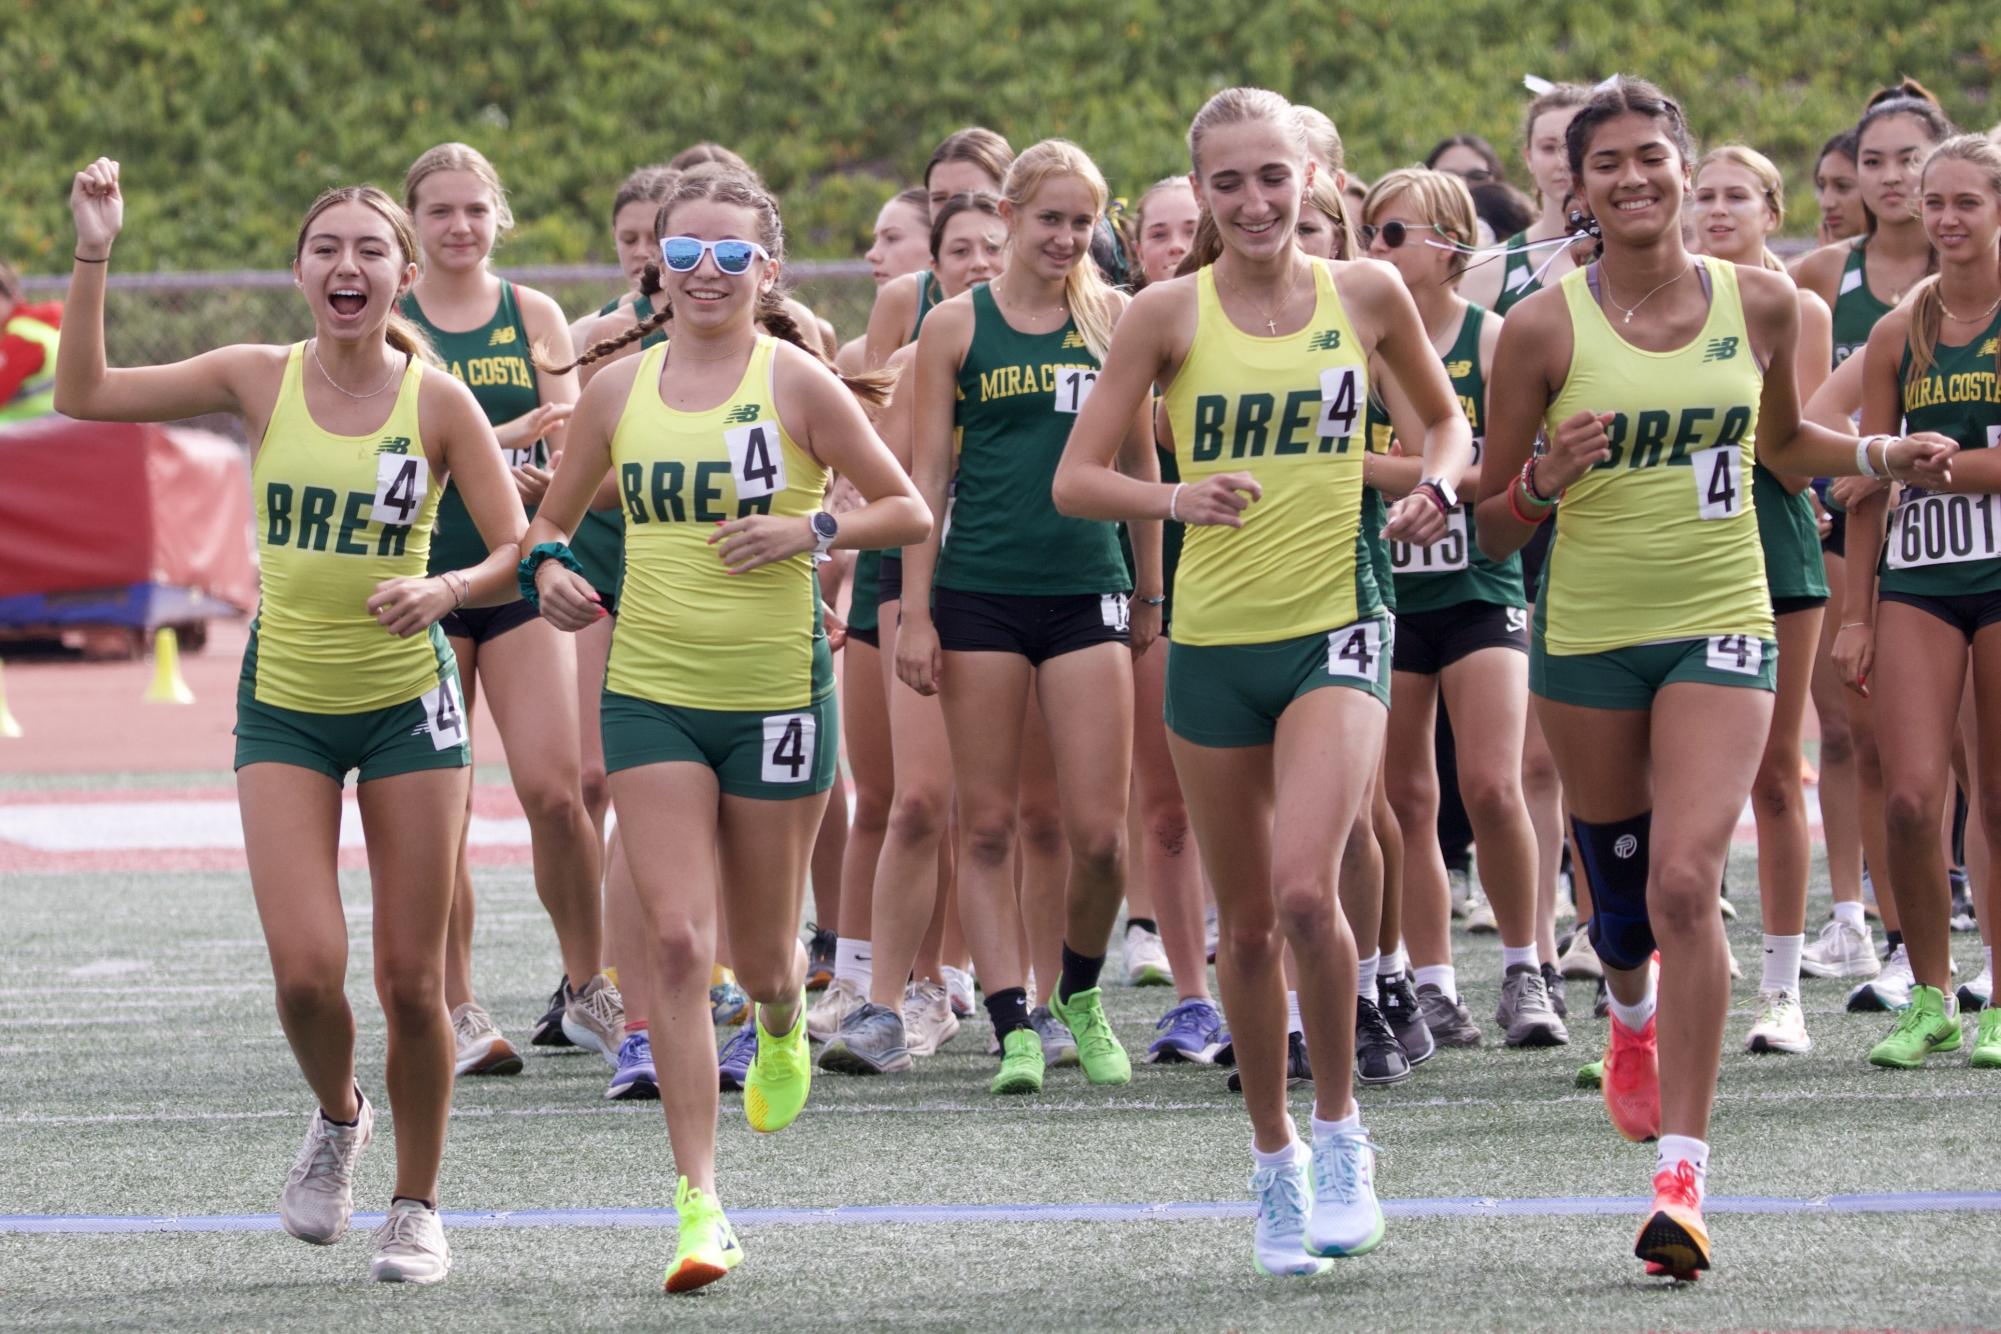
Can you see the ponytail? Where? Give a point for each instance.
(1927, 319)
(604, 347)
(407, 337)
(872, 388)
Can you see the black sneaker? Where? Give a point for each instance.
(1447, 1019)
(1379, 1057)
(1398, 1003)
(820, 959)
(1601, 1005)
(549, 1028)
(1552, 982)
(1298, 1069)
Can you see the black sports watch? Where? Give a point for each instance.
(825, 529)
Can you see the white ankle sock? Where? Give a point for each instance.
(1782, 963)
(1990, 961)
(1851, 914)
(1365, 978)
(1634, 1017)
(1512, 955)
(1284, 1157)
(1293, 1024)
(1683, 1149)
(1350, 1123)
(1441, 975)
(1393, 963)
(853, 960)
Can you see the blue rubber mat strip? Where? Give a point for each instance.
(875, 1215)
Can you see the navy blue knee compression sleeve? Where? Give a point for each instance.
(1615, 866)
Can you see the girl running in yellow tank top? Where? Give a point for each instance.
(1279, 671)
(718, 713)
(1658, 379)
(356, 432)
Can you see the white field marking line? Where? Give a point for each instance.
(950, 1108)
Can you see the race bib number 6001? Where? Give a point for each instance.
(1943, 530)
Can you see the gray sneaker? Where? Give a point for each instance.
(869, 1041)
(1450, 1024)
(594, 1018)
(1525, 1013)
(1058, 1046)
(318, 1198)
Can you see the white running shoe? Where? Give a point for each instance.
(1284, 1198)
(959, 986)
(823, 1020)
(1841, 951)
(1781, 1026)
(481, 1048)
(1978, 994)
(1891, 989)
(410, 1246)
(1345, 1218)
(1146, 959)
(318, 1198)
(594, 1019)
(1480, 914)
(1581, 958)
(928, 1021)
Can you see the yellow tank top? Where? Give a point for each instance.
(1660, 541)
(690, 633)
(336, 515)
(1292, 412)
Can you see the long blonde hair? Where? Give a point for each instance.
(1090, 298)
(460, 157)
(1928, 306)
(402, 333)
(1771, 185)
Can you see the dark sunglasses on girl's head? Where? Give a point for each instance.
(1394, 234)
(684, 253)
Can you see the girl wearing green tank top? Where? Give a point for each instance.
(1666, 750)
(488, 328)
(1498, 284)
(1738, 202)
(1274, 797)
(355, 256)
(1935, 363)
(1461, 638)
(900, 245)
(1030, 600)
(974, 160)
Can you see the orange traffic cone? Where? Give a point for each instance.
(169, 687)
(8, 727)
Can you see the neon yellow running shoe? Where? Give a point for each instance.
(1925, 1026)
(1987, 1041)
(774, 1092)
(1098, 1049)
(708, 1248)
(1021, 1063)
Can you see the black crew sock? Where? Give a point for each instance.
(1893, 939)
(414, 1200)
(1008, 1009)
(1144, 923)
(1080, 972)
(344, 1125)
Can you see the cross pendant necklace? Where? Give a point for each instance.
(1271, 316)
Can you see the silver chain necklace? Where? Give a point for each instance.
(314, 348)
(1643, 300)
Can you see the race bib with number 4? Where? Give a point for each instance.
(1073, 385)
(788, 747)
(1340, 401)
(1736, 653)
(399, 490)
(1356, 650)
(445, 714)
(1719, 481)
(757, 461)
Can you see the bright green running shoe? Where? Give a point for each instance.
(1104, 1060)
(1987, 1041)
(708, 1248)
(780, 1074)
(1021, 1063)
(1923, 1027)
(1591, 1076)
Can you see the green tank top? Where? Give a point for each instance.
(599, 542)
(1790, 535)
(1018, 396)
(496, 362)
(1518, 279)
(1944, 545)
(1452, 571)
(1856, 308)
(929, 296)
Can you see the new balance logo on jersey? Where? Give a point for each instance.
(1720, 349)
(393, 444)
(1073, 339)
(1987, 348)
(1326, 340)
(501, 337)
(744, 413)
(1459, 370)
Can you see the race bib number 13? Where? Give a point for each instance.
(1073, 385)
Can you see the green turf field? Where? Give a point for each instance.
(142, 1073)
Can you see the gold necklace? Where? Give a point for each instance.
(1642, 301)
(314, 348)
(1981, 318)
(1271, 315)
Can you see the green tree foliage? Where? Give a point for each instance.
(230, 116)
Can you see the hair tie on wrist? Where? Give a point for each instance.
(1174, 499)
(81, 260)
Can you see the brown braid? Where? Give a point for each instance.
(604, 347)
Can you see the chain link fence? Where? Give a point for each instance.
(152, 318)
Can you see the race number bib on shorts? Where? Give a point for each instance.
(1942, 530)
(1073, 385)
(1116, 611)
(1355, 650)
(399, 488)
(1719, 481)
(522, 458)
(1445, 556)
(445, 714)
(788, 747)
(1340, 402)
(757, 463)
(1736, 653)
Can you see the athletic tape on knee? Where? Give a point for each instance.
(1615, 865)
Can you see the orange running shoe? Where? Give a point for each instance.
(1632, 1082)
(1673, 1241)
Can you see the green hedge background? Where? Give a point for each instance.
(229, 117)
